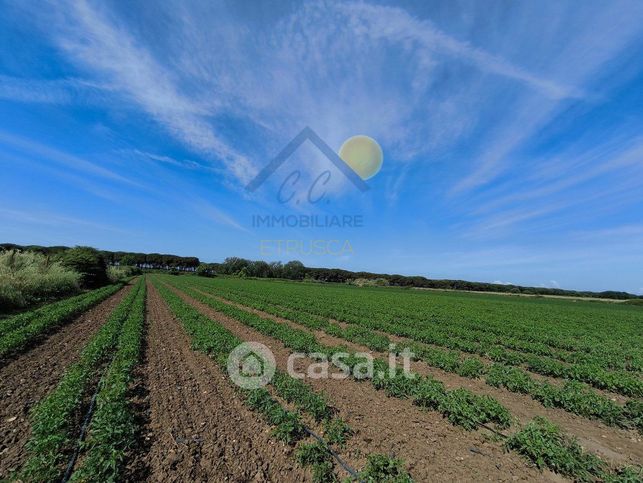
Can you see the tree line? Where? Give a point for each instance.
(156, 261)
(295, 270)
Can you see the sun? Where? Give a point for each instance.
(363, 155)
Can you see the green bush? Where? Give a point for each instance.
(89, 262)
(27, 278)
(204, 271)
(116, 274)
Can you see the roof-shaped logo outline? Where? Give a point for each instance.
(307, 134)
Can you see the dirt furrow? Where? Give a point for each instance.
(29, 377)
(199, 429)
(432, 449)
(613, 444)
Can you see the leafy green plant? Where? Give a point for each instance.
(336, 431)
(384, 469)
(287, 425)
(470, 367)
(546, 446)
(317, 456)
(297, 392)
(463, 408)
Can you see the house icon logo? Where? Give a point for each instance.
(359, 158)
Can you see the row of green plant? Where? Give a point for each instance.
(621, 382)
(21, 330)
(561, 453)
(215, 340)
(113, 428)
(545, 445)
(590, 370)
(469, 412)
(526, 325)
(460, 406)
(54, 421)
(572, 396)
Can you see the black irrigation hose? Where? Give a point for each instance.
(88, 416)
(83, 429)
(495, 431)
(343, 464)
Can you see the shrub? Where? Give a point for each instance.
(370, 282)
(29, 277)
(89, 262)
(115, 274)
(204, 271)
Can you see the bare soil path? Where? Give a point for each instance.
(28, 377)
(199, 429)
(432, 449)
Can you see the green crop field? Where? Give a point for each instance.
(542, 385)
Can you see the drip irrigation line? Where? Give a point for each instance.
(92, 406)
(495, 431)
(86, 421)
(342, 463)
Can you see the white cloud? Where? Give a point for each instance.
(53, 219)
(577, 54)
(56, 91)
(396, 24)
(49, 154)
(98, 44)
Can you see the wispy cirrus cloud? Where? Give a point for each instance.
(47, 218)
(53, 155)
(577, 56)
(397, 25)
(98, 44)
(52, 91)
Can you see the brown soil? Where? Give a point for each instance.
(199, 430)
(30, 376)
(432, 449)
(619, 446)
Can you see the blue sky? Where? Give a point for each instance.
(512, 132)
